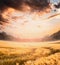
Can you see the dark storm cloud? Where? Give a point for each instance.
(35, 4)
(58, 5)
(38, 4)
(2, 6)
(13, 3)
(17, 4)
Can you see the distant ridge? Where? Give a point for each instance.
(53, 37)
(56, 35)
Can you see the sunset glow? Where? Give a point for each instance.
(30, 25)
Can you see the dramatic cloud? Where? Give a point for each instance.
(34, 4)
(31, 25)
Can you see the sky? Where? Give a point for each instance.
(55, 1)
(31, 25)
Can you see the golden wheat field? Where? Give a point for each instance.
(29, 53)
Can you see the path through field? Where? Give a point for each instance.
(29, 53)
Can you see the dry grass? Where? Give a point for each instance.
(47, 55)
